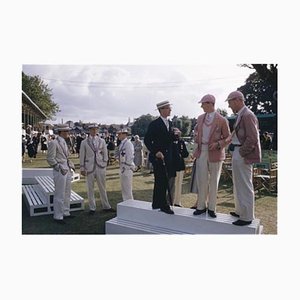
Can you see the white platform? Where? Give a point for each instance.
(29, 174)
(135, 217)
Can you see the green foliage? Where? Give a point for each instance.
(222, 112)
(260, 89)
(184, 124)
(40, 94)
(141, 124)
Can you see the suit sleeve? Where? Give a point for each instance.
(148, 140)
(251, 132)
(225, 133)
(82, 155)
(105, 152)
(51, 154)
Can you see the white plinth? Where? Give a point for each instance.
(134, 216)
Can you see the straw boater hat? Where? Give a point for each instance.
(93, 125)
(162, 104)
(123, 131)
(63, 127)
(235, 95)
(208, 98)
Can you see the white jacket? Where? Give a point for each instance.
(58, 155)
(93, 155)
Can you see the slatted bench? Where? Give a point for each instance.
(36, 202)
(39, 197)
(46, 184)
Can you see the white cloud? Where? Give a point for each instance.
(112, 94)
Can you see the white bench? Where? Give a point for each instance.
(29, 174)
(47, 187)
(39, 197)
(36, 202)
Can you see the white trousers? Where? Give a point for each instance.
(207, 179)
(178, 187)
(62, 194)
(100, 175)
(242, 186)
(126, 184)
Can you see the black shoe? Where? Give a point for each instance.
(178, 205)
(69, 217)
(109, 210)
(199, 212)
(234, 214)
(92, 212)
(62, 222)
(193, 207)
(212, 213)
(167, 210)
(241, 223)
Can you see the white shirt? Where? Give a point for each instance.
(207, 126)
(165, 121)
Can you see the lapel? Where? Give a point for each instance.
(236, 127)
(163, 125)
(91, 144)
(62, 147)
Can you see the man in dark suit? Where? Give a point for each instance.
(159, 140)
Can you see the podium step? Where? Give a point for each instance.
(139, 216)
(118, 226)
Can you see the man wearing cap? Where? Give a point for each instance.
(245, 149)
(211, 132)
(58, 159)
(127, 166)
(159, 139)
(93, 161)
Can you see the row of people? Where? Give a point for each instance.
(212, 135)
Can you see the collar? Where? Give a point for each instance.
(241, 110)
(61, 139)
(164, 119)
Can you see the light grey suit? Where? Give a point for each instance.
(93, 160)
(58, 159)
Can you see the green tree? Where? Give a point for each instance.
(141, 124)
(222, 112)
(40, 94)
(260, 89)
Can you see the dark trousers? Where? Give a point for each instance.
(160, 186)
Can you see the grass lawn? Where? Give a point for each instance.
(265, 204)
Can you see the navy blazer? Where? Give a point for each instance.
(158, 138)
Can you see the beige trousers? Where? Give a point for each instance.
(242, 186)
(207, 180)
(126, 184)
(100, 175)
(178, 187)
(62, 194)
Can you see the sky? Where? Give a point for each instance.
(111, 94)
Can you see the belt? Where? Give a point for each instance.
(236, 145)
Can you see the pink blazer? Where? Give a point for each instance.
(218, 133)
(247, 133)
